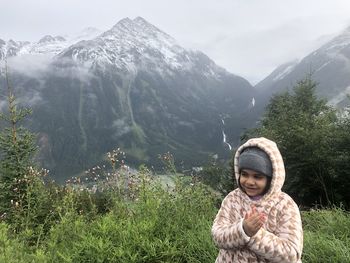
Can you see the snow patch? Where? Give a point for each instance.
(283, 73)
(321, 67)
(335, 100)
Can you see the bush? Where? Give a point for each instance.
(159, 226)
(15, 251)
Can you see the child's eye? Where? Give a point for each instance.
(244, 174)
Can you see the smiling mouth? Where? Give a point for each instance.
(251, 189)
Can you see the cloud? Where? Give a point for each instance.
(31, 65)
(28, 74)
(121, 127)
(249, 38)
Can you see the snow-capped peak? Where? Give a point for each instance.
(86, 34)
(50, 39)
(139, 29)
(47, 45)
(11, 48)
(131, 43)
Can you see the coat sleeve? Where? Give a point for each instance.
(227, 230)
(286, 243)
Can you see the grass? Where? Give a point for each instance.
(326, 235)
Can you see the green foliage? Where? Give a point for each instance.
(326, 236)
(168, 162)
(15, 251)
(158, 226)
(314, 142)
(33, 217)
(218, 177)
(27, 200)
(341, 159)
(16, 151)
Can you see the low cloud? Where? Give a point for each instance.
(34, 66)
(121, 127)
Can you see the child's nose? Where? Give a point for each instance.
(250, 181)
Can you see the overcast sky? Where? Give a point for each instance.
(249, 38)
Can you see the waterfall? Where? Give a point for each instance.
(224, 136)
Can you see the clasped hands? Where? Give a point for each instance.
(253, 221)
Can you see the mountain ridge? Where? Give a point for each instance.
(136, 88)
(329, 66)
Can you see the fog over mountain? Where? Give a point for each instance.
(131, 87)
(329, 66)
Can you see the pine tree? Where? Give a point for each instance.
(16, 153)
(314, 144)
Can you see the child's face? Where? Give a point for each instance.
(252, 182)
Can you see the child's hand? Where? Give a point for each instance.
(253, 221)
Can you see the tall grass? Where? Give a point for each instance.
(326, 235)
(145, 222)
(159, 227)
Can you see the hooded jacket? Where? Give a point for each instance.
(280, 239)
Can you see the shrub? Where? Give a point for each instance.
(158, 226)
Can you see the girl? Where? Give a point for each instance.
(257, 222)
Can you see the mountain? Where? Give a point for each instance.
(47, 45)
(132, 87)
(329, 66)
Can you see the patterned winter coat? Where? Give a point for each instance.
(281, 237)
